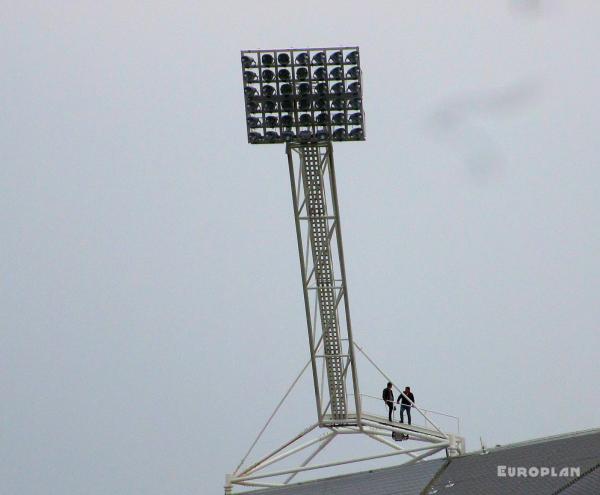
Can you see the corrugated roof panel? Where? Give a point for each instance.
(586, 485)
(398, 480)
(476, 474)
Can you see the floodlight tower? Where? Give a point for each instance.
(309, 98)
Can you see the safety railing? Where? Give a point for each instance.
(424, 417)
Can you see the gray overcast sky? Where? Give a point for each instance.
(151, 308)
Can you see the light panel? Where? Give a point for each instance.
(303, 94)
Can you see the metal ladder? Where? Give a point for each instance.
(320, 237)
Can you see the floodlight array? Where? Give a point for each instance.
(304, 95)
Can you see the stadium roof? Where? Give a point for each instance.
(477, 473)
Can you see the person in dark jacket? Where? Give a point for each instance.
(388, 397)
(406, 400)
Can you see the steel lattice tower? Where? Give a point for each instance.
(308, 99)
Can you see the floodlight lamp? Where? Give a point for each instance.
(249, 76)
(269, 106)
(336, 73)
(338, 104)
(336, 58)
(287, 120)
(322, 104)
(353, 73)
(302, 59)
(286, 89)
(284, 74)
(305, 119)
(319, 58)
(254, 137)
(248, 62)
(304, 88)
(271, 136)
(352, 57)
(320, 74)
(338, 88)
(355, 103)
(302, 73)
(268, 75)
(304, 104)
(253, 121)
(271, 121)
(252, 107)
(355, 118)
(356, 133)
(339, 134)
(267, 60)
(268, 90)
(250, 91)
(338, 118)
(283, 59)
(323, 118)
(288, 135)
(322, 88)
(354, 88)
(322, 135)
